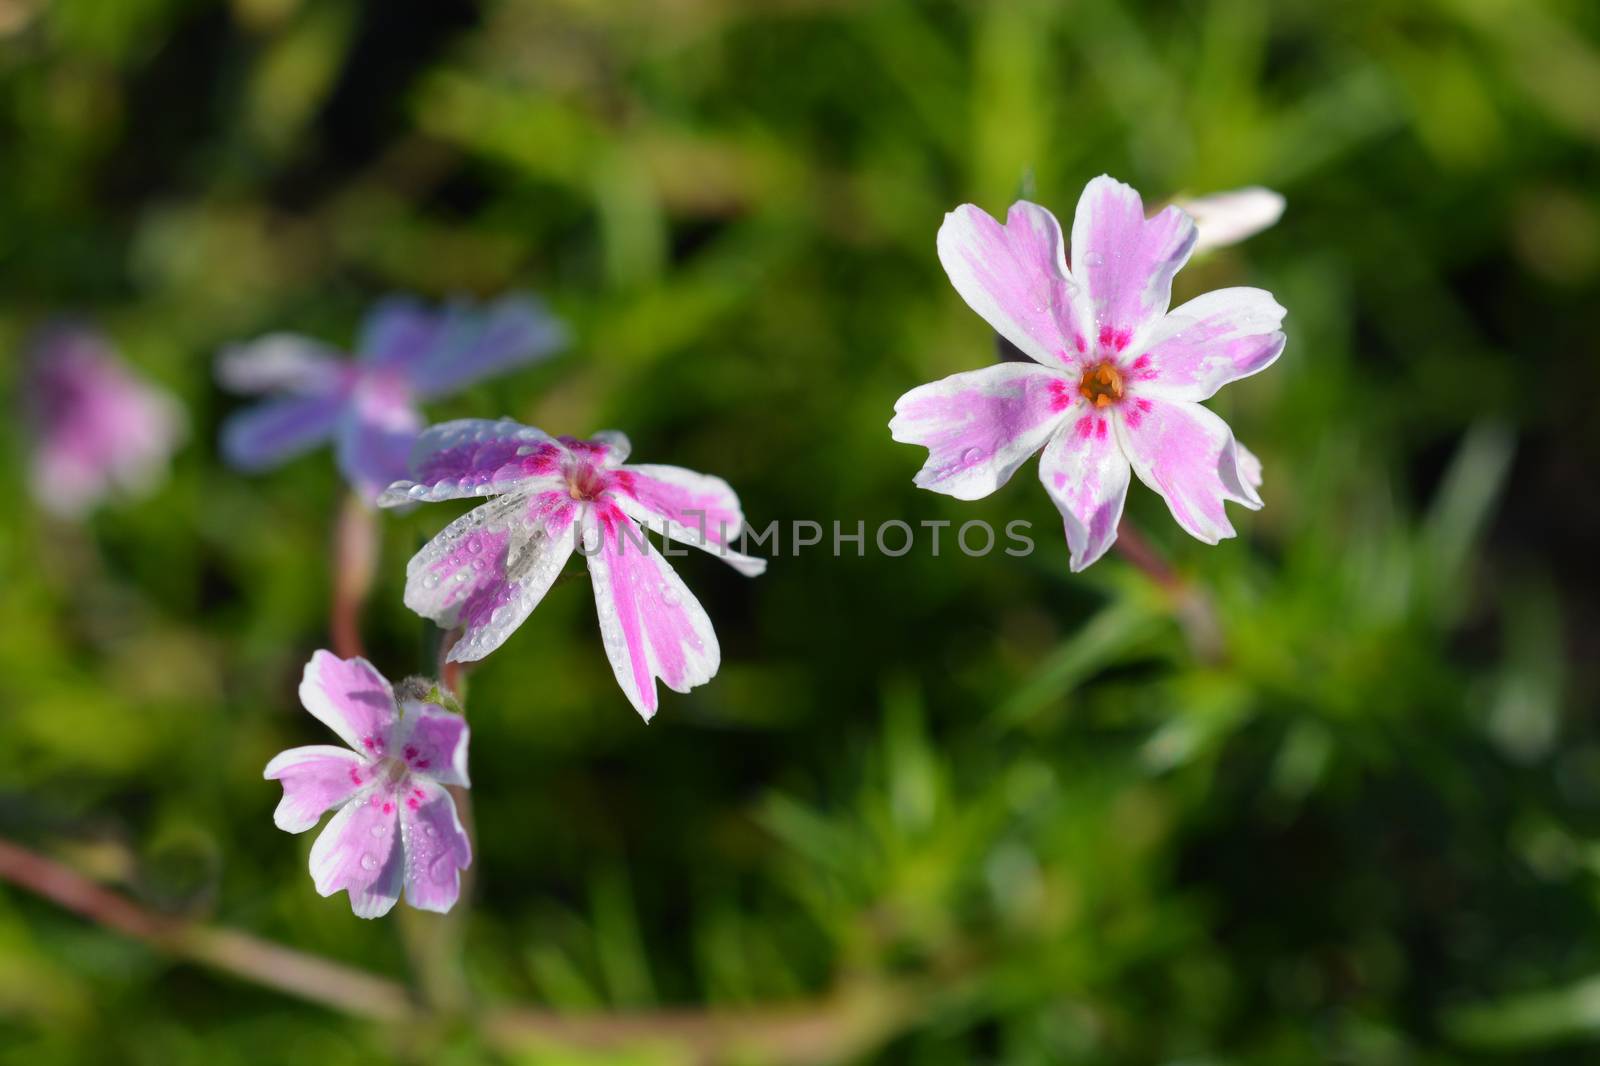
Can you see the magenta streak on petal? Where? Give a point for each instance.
(622, 598)
(706, 512)
(553, 512)
(481, 556)
(1114, 340)
(593, 450)
(477, 608)
(489, 461)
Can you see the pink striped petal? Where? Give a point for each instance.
(1086, 474)
(272, 432)
(689, 507)
(652, 626)
(315, 780)
(487, 570)
(433, 742)
(981, 425)
(607, 448)
(351, 698)
(477, 457)
(359, 852)
(1211, 340)
(1187, 454)
(436, 847)
(1125, 262)
(1015, 276)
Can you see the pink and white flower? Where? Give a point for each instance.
(396, 823)
(98, 430)
(489, 568)
(407, 354)
(1116, 379)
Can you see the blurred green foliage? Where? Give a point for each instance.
(1369, 832)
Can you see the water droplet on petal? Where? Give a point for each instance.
(428, 830)
(369, 862)
(1094, 259)
(971, 455)
(379, 828)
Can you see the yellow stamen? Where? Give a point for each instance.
(1101, 385)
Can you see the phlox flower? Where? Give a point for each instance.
(97, 429)
(487, 570)
(396, 822)
(407, 354)
(1116, 379)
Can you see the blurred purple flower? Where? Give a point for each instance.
(397, 824)
(98, 429)
(407, 354)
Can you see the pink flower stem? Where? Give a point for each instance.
(355, 552)
(305, 976)
(1190, 602)
(843, 1026)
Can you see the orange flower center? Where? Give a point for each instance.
(1102, 385)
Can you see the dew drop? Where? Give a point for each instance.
(1095, 259)
(379, 829)
(369, 862)
(428, 830)
(479, 564)
(971, 455)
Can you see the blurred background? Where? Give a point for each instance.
(932, 810)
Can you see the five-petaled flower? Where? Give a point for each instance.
(98, 430)
(489, 568)
(406, 354)
(1116, 379)
(397, 822)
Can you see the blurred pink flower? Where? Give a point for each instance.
(396, 822)
(98, 430)
(1225, 218)
(488, 569)
(1116, 378)
(368, 407)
